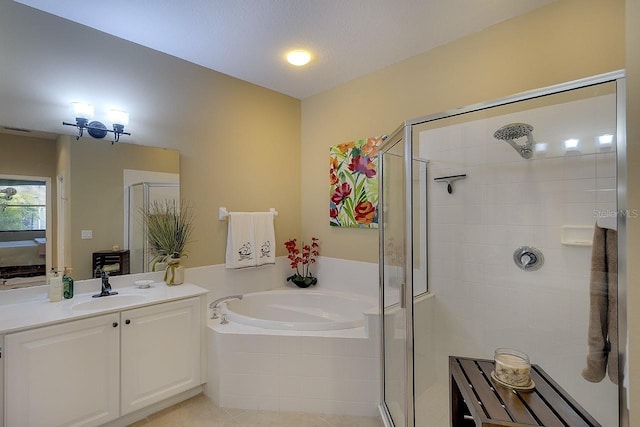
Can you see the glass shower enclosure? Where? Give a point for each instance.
(491, 217)
(141, 197)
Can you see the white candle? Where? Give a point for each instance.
(512, 369)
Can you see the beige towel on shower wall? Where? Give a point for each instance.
(603, 321)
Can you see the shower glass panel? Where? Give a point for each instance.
(553, 199)
(392, 272)
(419, 220)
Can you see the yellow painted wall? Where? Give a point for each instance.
(239, 143)
(24, 155)
(96, 199)
(31, 156)
(245, 156)
(564, 41)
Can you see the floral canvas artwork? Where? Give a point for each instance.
(353, 191)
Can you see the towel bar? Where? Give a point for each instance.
(223, 213)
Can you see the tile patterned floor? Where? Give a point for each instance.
(200, 411)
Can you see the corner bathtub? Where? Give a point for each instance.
(296, 350)
(299, 310)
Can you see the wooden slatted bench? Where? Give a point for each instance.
(476, 400)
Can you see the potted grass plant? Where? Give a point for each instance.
(169, 225)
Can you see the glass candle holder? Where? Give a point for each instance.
(512, 367)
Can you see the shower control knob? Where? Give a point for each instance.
(528, 258)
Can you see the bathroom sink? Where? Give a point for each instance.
(105, 303)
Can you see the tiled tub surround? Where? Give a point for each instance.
(329, 372)
(482, 300)
(333, 274)
(332, 372)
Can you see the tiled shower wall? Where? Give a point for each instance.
(482, 300)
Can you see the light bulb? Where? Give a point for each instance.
(82, 110)
(605, 139)
(298, 57)
(541, 147)
(571, 144)
(118, 117)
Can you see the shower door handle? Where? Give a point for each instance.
(403, 292)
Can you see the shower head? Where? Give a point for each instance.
(514, 131)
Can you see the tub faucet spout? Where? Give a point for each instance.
(215, 304)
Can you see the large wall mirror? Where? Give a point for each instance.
(64, 200)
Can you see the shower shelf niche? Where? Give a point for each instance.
(577, 235)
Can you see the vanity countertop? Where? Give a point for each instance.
(41, 312)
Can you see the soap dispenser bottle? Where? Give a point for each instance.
(55, 288)
(67, 284)
(50, 275)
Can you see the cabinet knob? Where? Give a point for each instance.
(127, 321)
(115, 324)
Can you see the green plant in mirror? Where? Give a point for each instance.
(169, 225)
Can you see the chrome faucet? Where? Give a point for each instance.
(215, 304)
(106, 286)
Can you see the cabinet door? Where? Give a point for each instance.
(63, 375)
(160, 352)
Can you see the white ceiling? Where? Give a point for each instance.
(247, 39)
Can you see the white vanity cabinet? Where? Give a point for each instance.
(160, 352)
(91, 371)
(66, 374)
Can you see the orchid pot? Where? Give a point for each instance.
(301, 281)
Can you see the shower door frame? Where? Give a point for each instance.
(617, 77)
(400, 135)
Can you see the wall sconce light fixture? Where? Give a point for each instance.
(84, 112)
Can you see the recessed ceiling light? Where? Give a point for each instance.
(541, 147)
(606, 139)
(298, 57)
(571, 144)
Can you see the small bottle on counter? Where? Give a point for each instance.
(55, 288)
(50, 275)
(67, 284)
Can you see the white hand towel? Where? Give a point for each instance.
(241, 249)
(265, 238)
